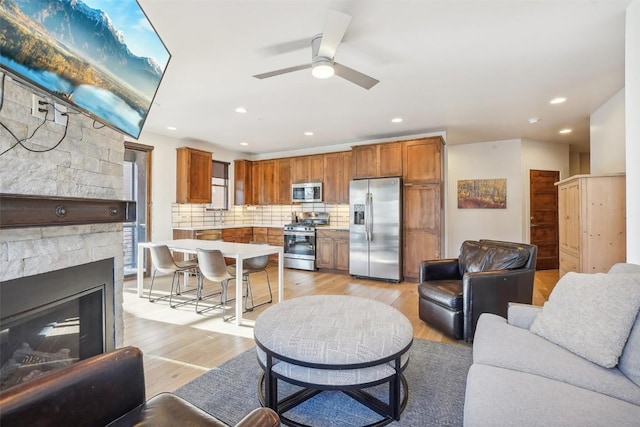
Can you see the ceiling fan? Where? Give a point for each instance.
(323, 50)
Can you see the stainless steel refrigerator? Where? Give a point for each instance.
(375, 228)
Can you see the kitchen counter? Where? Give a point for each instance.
(222, 227)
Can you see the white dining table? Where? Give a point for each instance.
(237, 251)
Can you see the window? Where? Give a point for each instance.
(220, 185)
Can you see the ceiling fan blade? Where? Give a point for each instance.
(354, 76)
(334, 29)
(286, 47)
(282, 71)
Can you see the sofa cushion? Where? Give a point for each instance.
(591, 315)
(501, 397)
(447, 293)
(471, 256)
(499, 344)
(166, 410)
(476, 256)
(623, 267)
(629, 362)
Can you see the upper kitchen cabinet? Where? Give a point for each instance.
(242, 183)
(267, 182)
(307, 168)
(377, 160)
(193, 175)
(283, 177)
(337, 174)
(422, 160)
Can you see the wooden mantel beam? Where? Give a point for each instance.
(20, 211)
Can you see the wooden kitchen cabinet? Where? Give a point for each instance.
(591, 223)
(307, 168)
(377, 160)
(193, 181)
(332, 249)
(267, 183)
(256, 187)
(242, 183)
(422, 232)
(422, 160)
(337, 174)
(260, 235)
(283, 178)
(275, 238)
(238, 235)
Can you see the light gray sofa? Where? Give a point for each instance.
(521, 379)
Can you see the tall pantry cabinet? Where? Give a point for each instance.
(592, 222)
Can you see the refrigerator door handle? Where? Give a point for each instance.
(369, 217)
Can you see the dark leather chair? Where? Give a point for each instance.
(107, 389)
(486, 276)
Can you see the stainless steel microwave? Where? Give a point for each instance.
(306, 192)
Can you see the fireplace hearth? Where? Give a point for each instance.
(53, 319)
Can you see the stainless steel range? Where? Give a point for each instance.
(300, 240)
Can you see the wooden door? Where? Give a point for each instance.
(422, 234)
(543, 210)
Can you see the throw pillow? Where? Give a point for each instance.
(591, 315)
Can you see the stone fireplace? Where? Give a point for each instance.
(86, 164)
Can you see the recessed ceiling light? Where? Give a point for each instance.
(565, 131)
(558, 100)
(396, 120)
(308, 133)
(172, 128)
(534, 120)
(244, 143)
(241, 110)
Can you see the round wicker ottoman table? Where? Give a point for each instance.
(333, 342)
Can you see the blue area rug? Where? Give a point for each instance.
(436, 375)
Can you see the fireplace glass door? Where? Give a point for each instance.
(54, 319)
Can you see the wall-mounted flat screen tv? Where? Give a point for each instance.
(102, 57)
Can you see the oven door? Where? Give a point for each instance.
(301, 245)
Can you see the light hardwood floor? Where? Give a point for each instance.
(179, 345)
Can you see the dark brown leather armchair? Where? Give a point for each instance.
(107, 389)
(486, 276)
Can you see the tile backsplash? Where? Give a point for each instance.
(198, 215)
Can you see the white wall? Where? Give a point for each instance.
(607, 135)
(483, 160)
(632, 108)
(163, 177)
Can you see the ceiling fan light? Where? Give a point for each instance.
(322, 70)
